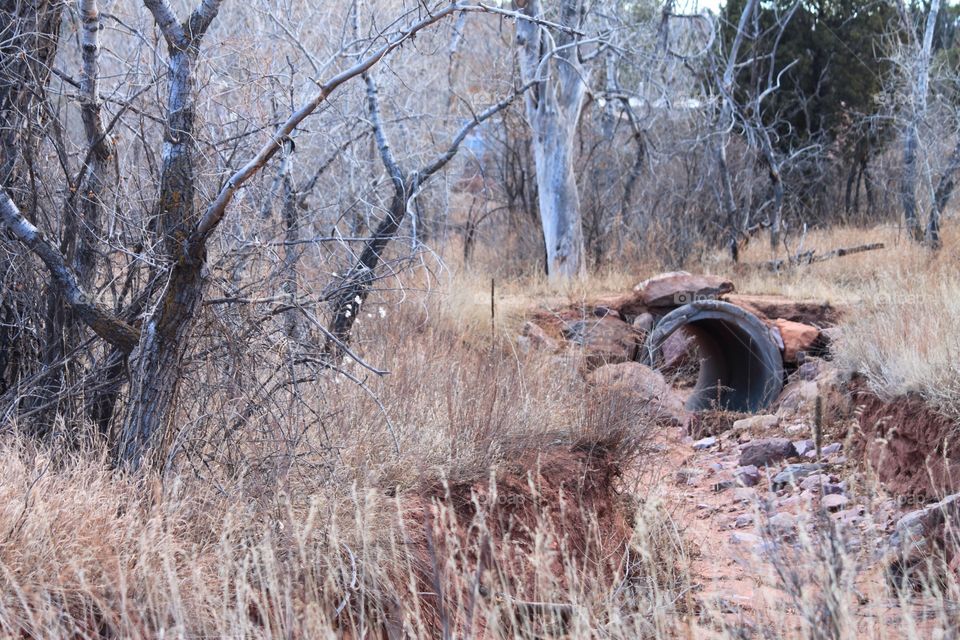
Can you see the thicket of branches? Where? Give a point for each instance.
(199, 203)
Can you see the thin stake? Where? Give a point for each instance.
(818, 424)
(493, 311)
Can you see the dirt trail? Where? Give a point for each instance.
(723, 575)
(739, 535)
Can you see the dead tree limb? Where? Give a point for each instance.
(356, 283)
(811, 256)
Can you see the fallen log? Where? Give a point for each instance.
(811, 256)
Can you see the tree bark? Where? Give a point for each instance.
(100, 148)
(553, 113)
(558, 197)
(166, 331)
(918, 108)
(776, 218)
(291, 252)
(156, 373)
(941, 197)
(727, 198)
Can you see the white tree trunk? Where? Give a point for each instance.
(558, 197)
(917, 112)
(553, 112)
(727, 87)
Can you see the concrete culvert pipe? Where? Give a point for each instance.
(737, 352)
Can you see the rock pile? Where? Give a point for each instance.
(613, 330)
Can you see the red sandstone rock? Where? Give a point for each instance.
(645, 385)
(797, 337)
(679, 287)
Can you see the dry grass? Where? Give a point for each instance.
(903, 321)
(328, 538)
(349, 519)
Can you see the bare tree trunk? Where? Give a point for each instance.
(727, 198)
(776, 218)
(558, 197)
(727, 85)
(941, 197)
(775, 171)
(156, 373)
(918, 108)
(848, 192)
(166, 332)
(100, 148)
(361, 277)
(291, 251)
(908, 184)
(553, 112)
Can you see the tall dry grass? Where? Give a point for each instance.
(902, 309)
(263, 534)
(337, 510)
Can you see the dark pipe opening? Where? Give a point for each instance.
(740, 366)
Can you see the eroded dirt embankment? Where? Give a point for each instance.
(549, 522)
(913, 449)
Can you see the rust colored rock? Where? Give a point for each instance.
(680, 287)
(644, 385)
(820, 313)
(643, 322)
(834, 502)
(627, 304)
(797, 337)
(679, 350)
(602, 311)
(537, 338)
(604, 340)
(799, 397)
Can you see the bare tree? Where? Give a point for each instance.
(552, 59)
(350, 293)
(919, 71)
(154, 331)
(725, 125)
(760, 125)
(743, 110)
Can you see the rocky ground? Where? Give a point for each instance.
(828, 490)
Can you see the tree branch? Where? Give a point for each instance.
(440, 161)
(103, 322)
(380, 134)
(170, 27)
(201, 18)
(215, 212)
